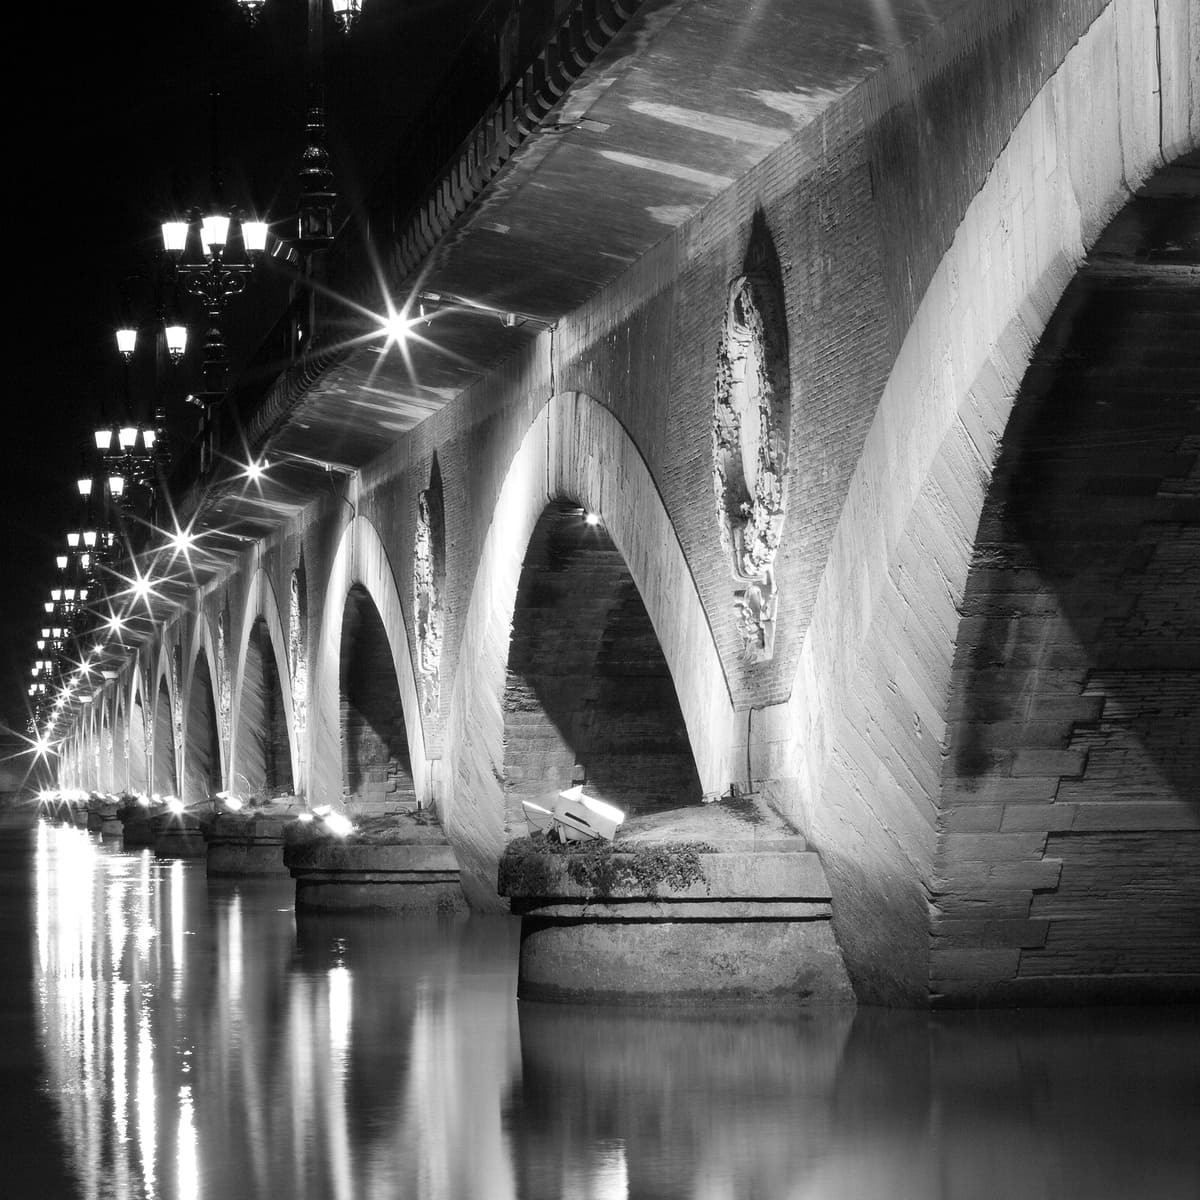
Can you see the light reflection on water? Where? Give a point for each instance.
(200, 1043)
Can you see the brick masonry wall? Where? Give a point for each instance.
(263, 762)
(376, 768)
(165, 779)
(587, 683)
(138, 774)
(1069, 840)
(202, 774)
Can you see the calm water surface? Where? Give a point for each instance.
(179, 1039)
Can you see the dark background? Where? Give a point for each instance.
(111, 128)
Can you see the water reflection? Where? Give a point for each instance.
(202, 1042)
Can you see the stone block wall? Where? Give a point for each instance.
(376, 767)
(1069, 845)
(587, 684)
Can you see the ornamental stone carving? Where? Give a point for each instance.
(224, 684)
(429, 572)
(751, 416)
(297, 655)
(177, 692)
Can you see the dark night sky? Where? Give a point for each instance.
(112, 130)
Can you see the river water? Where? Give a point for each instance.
(171, 1038)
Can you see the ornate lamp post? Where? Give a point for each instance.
(345, 12)
(213, 257)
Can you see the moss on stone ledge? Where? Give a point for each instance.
(534, 866)
(398, 830)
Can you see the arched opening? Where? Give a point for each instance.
(138, 781)
(429, 589)
(166, 781)
(377, 776)
(202, 754)
(1075, 692)
(120, 747)
(104, 780)
(588, 685)
(264, 754)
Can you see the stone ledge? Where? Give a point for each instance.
(784, 963)
(685, 910)
(416, 876)
(673, 923)
(530, 874)
(247, 844)
(352, 858)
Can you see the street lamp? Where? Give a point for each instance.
(345, 12)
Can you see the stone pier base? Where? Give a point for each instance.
(135, 829)
(734, 927)
(178, 835)
(417, 876)
(102, 819)
(245, 845)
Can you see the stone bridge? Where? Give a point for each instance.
(806, 402)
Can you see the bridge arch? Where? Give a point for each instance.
(203, 751)
(262, 696)
(868, 711)
(576, 452)
(136, 730)
(164, 767)
(120, 741)
(360, 569)
(104, 748)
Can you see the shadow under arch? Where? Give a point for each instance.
(1072, 748)
(203, 757)
(589, 697)
(120, 740)
(104, 775)
(262, 605)
(139, 772)
(867, 714)
(164, 757)
(361, 560)
(575, 451)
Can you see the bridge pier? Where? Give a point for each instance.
(177, 835)
(247, 843)
(726, 927)
(409, 869)
(720, 903)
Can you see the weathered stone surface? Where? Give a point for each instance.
(529, 875)
(658, 923)
(417, 875)
(791, 963)
(248, 843)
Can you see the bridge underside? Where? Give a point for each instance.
(889, 537)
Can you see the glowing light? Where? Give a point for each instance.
(340, 1013)
(254, 471)
(338, 825)
(396, 326)
(174, 805)
(182, 541)
(591, 518)
(581, 817)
